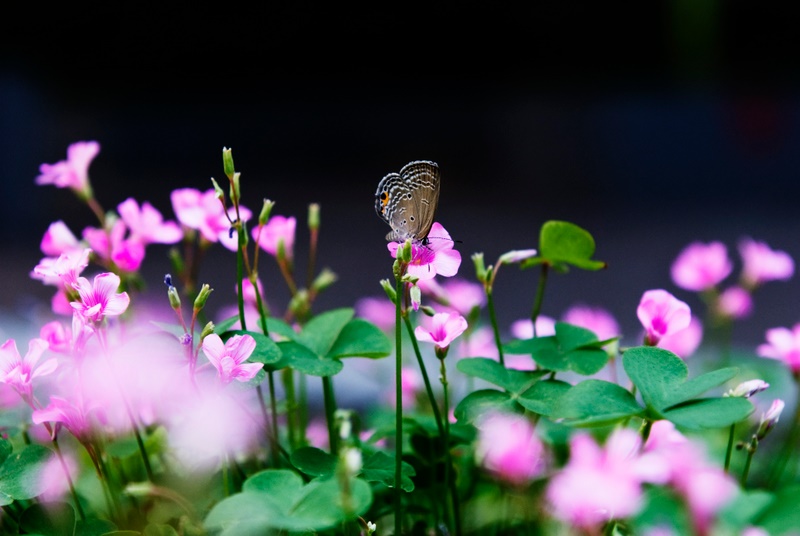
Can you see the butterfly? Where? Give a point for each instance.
(407, 201)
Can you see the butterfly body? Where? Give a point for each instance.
(407, 201)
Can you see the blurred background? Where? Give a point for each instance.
(651, 126)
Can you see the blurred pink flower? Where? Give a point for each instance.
(705, 487)
(59, 338)
(701, 266)
(748, 388)
(74, 171)
(58, 239)
(458, 294)
(662, 314)
(62, 411)
(278, 229)
(599, 484)
(146, 224)
(435, 257)
(735, 302)
(444, 328)
(762, 264)
(229, 357)
(770, 418)
(479, 343)
(509, 448)
(379, 311)
(203, 212)
(63, 271)
(249, 291)
(112, 245)
(411, 385)
(100, 299)
(53, 478)
(596, 319)
(685, 342)
(523, 329)
(783, 344)
(19, 372)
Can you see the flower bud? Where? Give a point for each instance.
(313, 216)
(770, 418)
(404, 252)
(266, 208)
(202, 296)
(416, 296)
(325, 279)
(516, 256)
(218, 193)
(174, 297)
(389, 290)
(480, 267)
(427, 310)
(747, 389)
(235, 191)
(227, 162)
(208, 329)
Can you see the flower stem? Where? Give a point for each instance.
(537, 304)
(330, 410)
(729, 450)
(751, 450)
(398, 501)
(71, 484)
(240, 272)
(449, 483)
(495, 327)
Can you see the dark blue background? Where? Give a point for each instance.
(651, 125)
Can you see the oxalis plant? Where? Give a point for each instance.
(128, 415)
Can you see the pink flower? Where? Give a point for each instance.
(203, 212)
(523, 329)
(479, 343)
(599, 484)
(19, 372)
(705, 487)
(58, 239)
(770, 418)
(411, 385)
(464, 296)
(762, 264)
(229, 357)
(685, 342)
(444, 329)
(701, 266)
(435, 257)
(595, 319)
(278, 229)
(249, 291)
(509, 448)
(748, 388)
(63, 271)
(74, 171)
(783, 344)
(62, 411)
(735, 302)
(147, 225)
(58, 338)
(379, 311)
(662, 314)
(112, 246)
(99, 299)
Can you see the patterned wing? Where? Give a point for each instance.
(407, 200)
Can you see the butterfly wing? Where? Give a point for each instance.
(423, 181)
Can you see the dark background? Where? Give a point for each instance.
(649, 124)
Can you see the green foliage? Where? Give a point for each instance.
(22, 474)
(561, 244)
(571, 348)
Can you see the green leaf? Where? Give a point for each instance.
(661, 377)
(283, 486)
(571, 337)
(564, 242)
(543, 396)
(303, 359)
(5, 449)
(267, 351)
(360, 338)
(571, 348)
(782, 516)
(321, 506)
(159, 529)
(94, 527)
(313, 461)
(380, 467)
(710, 412)
(22, 474)
(53, 519)
(321, 332)
(245, 514)
(479, 402)
(276, 326)
(493, 372)
(596, 403)
(223, 326)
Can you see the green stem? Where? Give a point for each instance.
(647, 425)
(330, 410)
(449, 483)
(273, 407)
(428, 387)
(287, 377)
(240, 272)
(537, 304)
(751, 450)
(729, 450)
(789, 446)
(495, 328)
(71, 484)
(398, 501)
